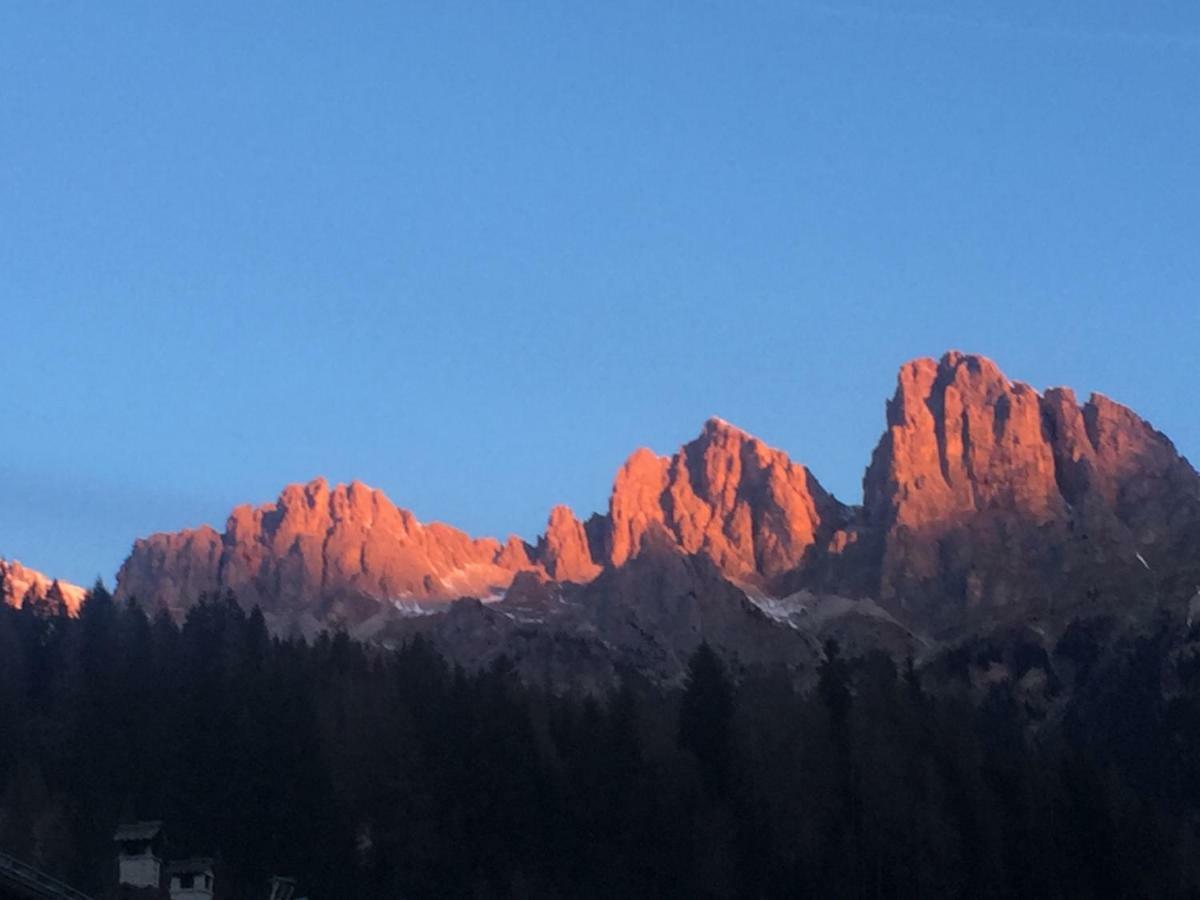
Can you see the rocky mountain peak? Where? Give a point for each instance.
(564, 550)
(981, 488)
(961, 437)
(320, 548)
(725, 495)
(715, 425)
(20, 581)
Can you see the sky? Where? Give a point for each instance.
(474, 254)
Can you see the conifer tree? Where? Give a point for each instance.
(706, 716)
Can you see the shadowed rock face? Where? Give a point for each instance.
(646, 616)
(661, 603)
(982, 497)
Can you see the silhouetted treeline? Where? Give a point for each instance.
(376, 774)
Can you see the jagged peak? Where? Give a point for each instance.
(561, 513)
(926, 369)
(18, 579)
(204, 531)
(940, 372)
(956, 358)
(564, 549)
(966, 445)
(644, 463)
(717, 425)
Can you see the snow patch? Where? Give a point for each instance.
(407, 606)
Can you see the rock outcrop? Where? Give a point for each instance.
(18, 582)
(172, 570)
(323, 550)
(726, 496)
(985, 494)
(564, 550)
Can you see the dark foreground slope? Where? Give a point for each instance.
(1003, 767)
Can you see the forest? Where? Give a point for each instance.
(371, 773)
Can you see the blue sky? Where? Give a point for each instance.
(474, 254)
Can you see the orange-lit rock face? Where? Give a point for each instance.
(20, 581)
(961, 441)
(962, 438)
(172, 570)
(727, 496)
(564, 550)
(316, 545)
(1114, 468)
(983, 489)
(981, 494)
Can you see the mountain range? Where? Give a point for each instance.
(984, 502)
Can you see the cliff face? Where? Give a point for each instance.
(318, 549)
(982, 496)
(564, 549)
(171, 570)
(983, 493)
(726, 496)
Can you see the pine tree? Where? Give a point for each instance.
(706, 717)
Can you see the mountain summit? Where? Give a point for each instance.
(983, 492)
(728, 496)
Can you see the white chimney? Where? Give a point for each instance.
(191, 879)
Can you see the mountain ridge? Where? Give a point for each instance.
(982, 495)
(19, 582)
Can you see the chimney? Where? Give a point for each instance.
(190, 879)
(138, 862)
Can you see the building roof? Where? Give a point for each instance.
(19, 879)
(129, 892)
(138, 831)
